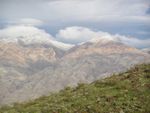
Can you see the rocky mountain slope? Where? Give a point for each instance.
(28, 71)
(126, 92)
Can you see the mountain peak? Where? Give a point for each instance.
(30, 35)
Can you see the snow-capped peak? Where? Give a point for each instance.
(30, 35)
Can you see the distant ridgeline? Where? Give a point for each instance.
(31, 70)
(127, 92)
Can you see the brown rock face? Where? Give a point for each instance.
(19, 54)
(28, 72)
(107, 48)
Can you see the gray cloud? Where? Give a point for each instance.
(126, 14)
(76, 10)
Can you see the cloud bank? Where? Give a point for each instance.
(76, 35)
(27, 34)
(115, 16)
(77, 10)
(65, 38)
(30, 35)
(29, 21)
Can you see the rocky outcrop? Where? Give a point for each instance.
(28, 72)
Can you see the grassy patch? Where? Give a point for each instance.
(127, 92)
(2, 71)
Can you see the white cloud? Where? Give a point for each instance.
(29, 35)
(135, 42)
(26, 22)
(71, 35)
(112, 15)
(101, 10)
(75, 34)
(77, 10)
(30, 21)
(81, 34)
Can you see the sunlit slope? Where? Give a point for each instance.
(127, 92)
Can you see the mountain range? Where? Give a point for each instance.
(126, 92)
(30, 70)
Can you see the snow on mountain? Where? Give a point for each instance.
(30, 35)
(147, 50)
(28, 73)
(67, 37)
(80, 35)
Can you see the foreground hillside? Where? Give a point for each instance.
(127, 92)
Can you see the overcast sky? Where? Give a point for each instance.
(124, 17)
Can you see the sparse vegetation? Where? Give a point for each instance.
(1, 71)
(127, 92)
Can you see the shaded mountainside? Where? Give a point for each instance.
(31, 71)
(27, 59)
(127, 92)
